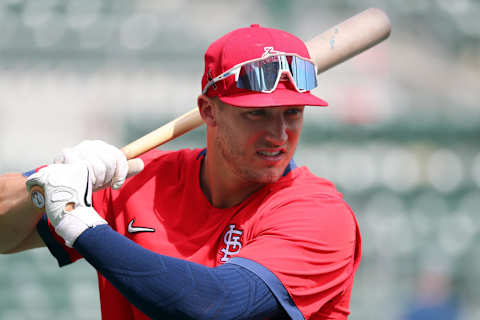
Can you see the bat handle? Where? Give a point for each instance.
(167, 132)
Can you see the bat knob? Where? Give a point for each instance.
(38, 197)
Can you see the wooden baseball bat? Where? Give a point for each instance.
(339, 43)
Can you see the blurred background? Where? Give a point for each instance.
(400, 138)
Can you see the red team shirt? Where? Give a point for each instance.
(299, 228)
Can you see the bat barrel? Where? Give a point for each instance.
(349, 38)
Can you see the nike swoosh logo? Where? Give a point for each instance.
(87, 203)
(133, 229)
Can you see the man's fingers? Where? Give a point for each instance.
(108, 165)
(121, 170)
(134, 166)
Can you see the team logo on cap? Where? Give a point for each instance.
(270, 51)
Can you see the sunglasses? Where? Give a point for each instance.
(264, 74)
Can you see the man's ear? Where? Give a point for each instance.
(207, 109)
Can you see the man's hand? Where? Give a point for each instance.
(108, 165)
(67, 185)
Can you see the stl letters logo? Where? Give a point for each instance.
(232, 243)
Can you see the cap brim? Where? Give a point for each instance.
(280, 97)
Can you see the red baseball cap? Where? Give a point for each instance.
(246, 44)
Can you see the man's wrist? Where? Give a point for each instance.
(74, 223)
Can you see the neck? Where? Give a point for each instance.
(225, 190)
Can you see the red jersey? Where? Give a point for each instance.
(298, 228)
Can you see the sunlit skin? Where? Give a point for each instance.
(247, 148)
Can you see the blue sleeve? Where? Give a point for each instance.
(28, 173)
(55, 248)
(166, 287)
(273, 283)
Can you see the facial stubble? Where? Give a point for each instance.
(236, 158)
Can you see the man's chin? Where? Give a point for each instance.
(268, 176)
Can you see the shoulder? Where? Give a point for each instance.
(169, 165)
(160, 157)
(304, 200)
(302, 184)
(168, 162)
(162, 168)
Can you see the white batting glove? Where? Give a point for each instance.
(108, 164)
(64, 184)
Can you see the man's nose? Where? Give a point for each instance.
(277, 131)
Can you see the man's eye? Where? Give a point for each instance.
(294, 112)
(256, 113)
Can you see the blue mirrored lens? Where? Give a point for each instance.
(259, 75)
(262, 75)
(303, 73)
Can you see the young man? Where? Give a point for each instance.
(235, 230)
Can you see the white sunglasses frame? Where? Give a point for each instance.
(235, 70)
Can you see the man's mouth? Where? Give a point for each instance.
(271, 155)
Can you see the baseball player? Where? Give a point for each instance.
(231, 231)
